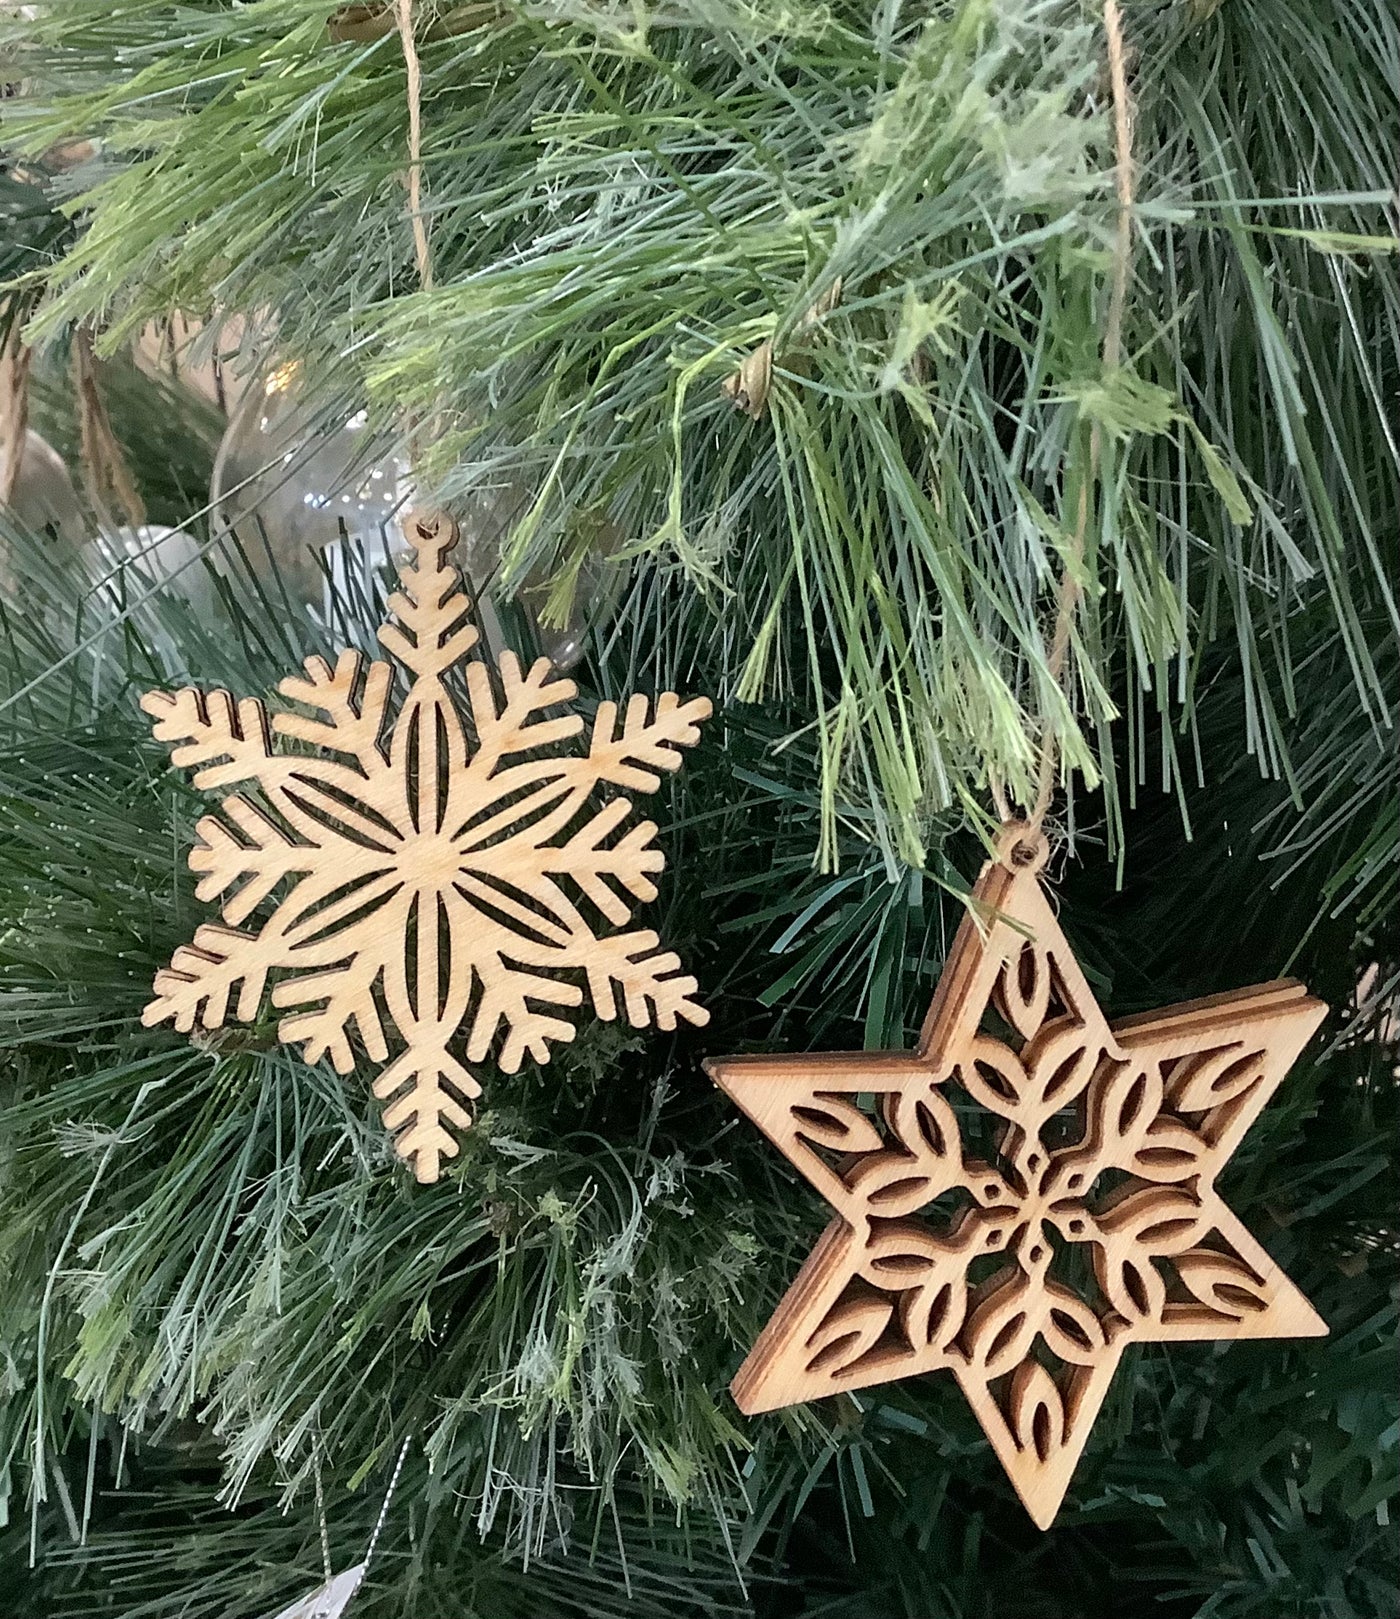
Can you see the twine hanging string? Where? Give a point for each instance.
(418, 432)
(343, 1588)
(422, 248)
(1071, 590)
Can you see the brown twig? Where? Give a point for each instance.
(747, 388)
(104, 462)
(14, 408)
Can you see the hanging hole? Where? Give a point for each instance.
(1022, 847)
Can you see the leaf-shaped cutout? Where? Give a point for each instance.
(1036, 1410)
(1157, 1219)
(1222, 1283)
(1131, 1282)
(925, 1126)
(1022, 991)
(1001, 1329)
(903, 1195)
(1070, 1328)
(994, 1076)
(852, 1326)
(1126, 1100)
(835, 1122)
(1060, 1065)
(1207, 1079)
(904, 1253)
(896, 1183)
(1169, 1152)
(932, 1313)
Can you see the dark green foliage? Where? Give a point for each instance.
(247, 1283)
(221, 1295)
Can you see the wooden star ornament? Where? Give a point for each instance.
(426, 874)
(1033, 1190)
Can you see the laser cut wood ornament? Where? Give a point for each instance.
(427, 875)
(1093, 1186)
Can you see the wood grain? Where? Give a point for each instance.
(458, 879)
(1032, 1190)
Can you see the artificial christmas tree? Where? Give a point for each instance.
(1063, 366)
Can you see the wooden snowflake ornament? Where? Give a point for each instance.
(425, 880)
(1034, 1191)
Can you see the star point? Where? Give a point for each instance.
(1033, 1190)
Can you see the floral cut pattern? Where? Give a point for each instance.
(1032, 1189)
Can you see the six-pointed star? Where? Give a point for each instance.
(1036, 1191)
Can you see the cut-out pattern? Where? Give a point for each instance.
(1095, 1212)
(425, 881)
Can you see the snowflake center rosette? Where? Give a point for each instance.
(454, 883)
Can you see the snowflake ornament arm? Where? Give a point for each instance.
(525, 827)
(354, 697)
(428, 879)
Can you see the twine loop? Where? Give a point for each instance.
(1022, 847)
(430, 529)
